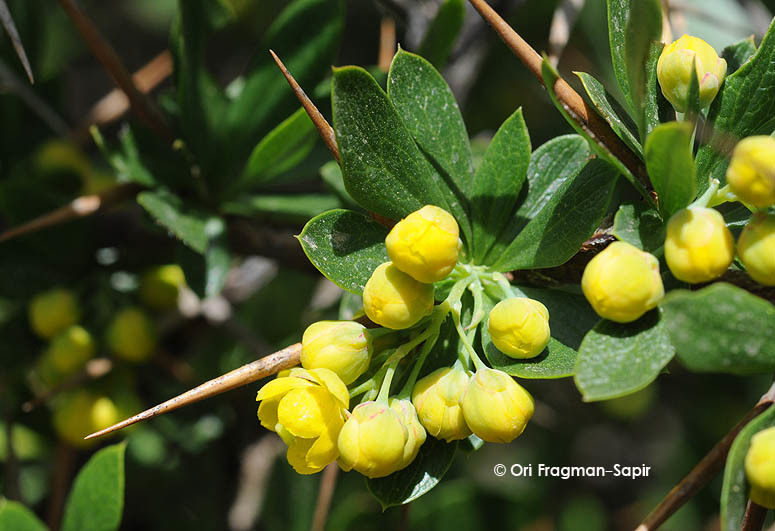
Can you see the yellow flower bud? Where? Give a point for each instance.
(307, 409)
(131, 335)
(425, 244)
(760, 468)
(674, 71)
(80, 413)
(416, 433)
(393, 299)
(751, 172)
(341, 346)
(160, 286)
(756, 248)
(699, 246)
(70, 350)
(495, 407)
(372, 440)
(53, 311)
(622, 282)
(437, 400)
(519, 327)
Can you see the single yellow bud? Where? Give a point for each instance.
(425, 244)
(756, 248)
(416, 433)
(699, 246)
(131, 335)
(751, 172)
(437, 400)
(495, 407)
(674, 71)
(622, 282)
(341, 346)
(78, 414)
(160, 286)
(306, 408)
(372, 441)
(519, 327)
(760, 468)
(53, 311)
(393, 299)
(70, 350)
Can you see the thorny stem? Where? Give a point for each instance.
(705, 470)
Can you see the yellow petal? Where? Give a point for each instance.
(306, 412)
(280, 386)
(328, 379)
(297, 456)
(267, 413)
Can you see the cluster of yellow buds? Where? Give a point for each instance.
(308, 406)
(622, 282)
(423, 249)
(452, 403)
(760, 468)
(674, 71)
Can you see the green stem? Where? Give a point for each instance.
(709, 194)
(368, 385)
(478, 315)
(464, 338)
(426, 350)
(384, 391)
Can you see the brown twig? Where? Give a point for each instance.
(78, 208)
(704, 471)
(13, 34)
(267, 366)
(585, 115)
(323, 127)
(115, 103)
(326, 492)
(387, 43)
(753, 520)
(115, 68)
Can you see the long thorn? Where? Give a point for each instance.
(587, 116)
(115, 68)
(13, 34)
(77, 208)
(704, 471)
(324, 128)
(266, 366)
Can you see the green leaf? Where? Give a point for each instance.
(202, 103)
(721, 328)
(97, 497)
(382, 166)
(442, 32)
(656, 108)
(306, 36)
(283, 148)
(345, 246)
(426, 105)
(497, 183)
(550, 76)
(430, 465)
(570, 216)
(737, 54)
(217, 265)
(127, 164)
(618, 359)
(611, 111)
(670, 165)
(744, 106)
(734, 492)
(632, 26)
(16, 517)
(192, 226)
(551, 166)
(570, 318)
(286, 207)
(639, 225)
